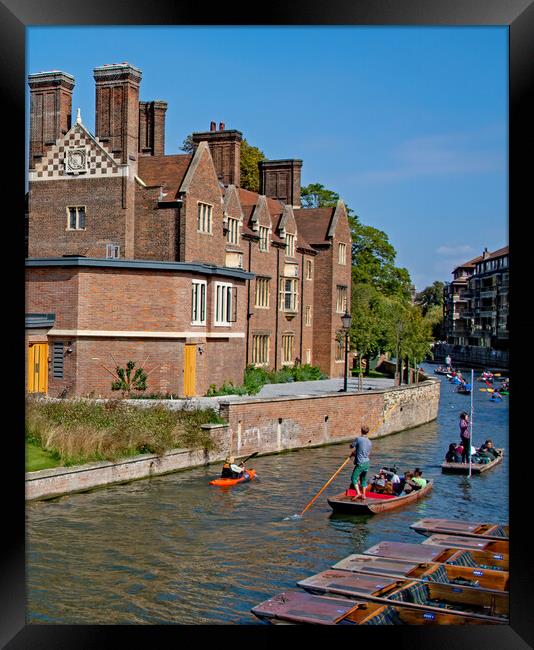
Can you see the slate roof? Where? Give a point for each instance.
(313, 224)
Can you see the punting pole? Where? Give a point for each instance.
(471, 419)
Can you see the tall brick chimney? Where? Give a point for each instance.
(117, 108)
(50, 110)
(280, 179)
(152, 128)
(225, 148)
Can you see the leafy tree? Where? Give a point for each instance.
(187, 144)
(316, 195)
(431, 296)
(250, 173)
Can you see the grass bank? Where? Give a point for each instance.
(74, 432)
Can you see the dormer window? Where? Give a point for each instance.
(264, 239)
(233, 231)
(290, 245)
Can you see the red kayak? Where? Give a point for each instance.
(225, 482)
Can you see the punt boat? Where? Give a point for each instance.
(449, 555)
(374, 502)
(297, 607)
(480, 529)
(469, 543)
(431, 596)
(476, 468)
(426, 571)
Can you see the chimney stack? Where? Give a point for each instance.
(50, 110)
(152, 128)
(117, 108)
(213, 126)
(225, 148)
(280, 179)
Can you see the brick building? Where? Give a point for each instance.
(165, 259)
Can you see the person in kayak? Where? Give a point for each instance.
(231, 470)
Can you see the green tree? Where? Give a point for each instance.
(316, 195)
(250, 173)
(430, 296)
(187, 144)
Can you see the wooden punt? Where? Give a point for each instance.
(480, 529)
(297, 607)
(375, 503)
(487, 579)
(476, 468)
(415, 594)
(449, 555)
(470, 543)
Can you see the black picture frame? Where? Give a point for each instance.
(15, 16)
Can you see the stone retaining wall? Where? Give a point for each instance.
(264, 425)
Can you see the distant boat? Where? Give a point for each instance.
(476, 468)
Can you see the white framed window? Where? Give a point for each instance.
(308, 356)
(263, 286)
(264, 238)
(76, 217)
(225, 303)
(288, 347)
(342, 254)
(341, 299)
(288, 294)
(290, 245)
(113, 251)
(309, 270)
(198, 302)
(205, 218)
(233, 231)
(260, 349)
(308, 315)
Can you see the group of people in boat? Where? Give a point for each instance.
(387, 481)
(462, 452)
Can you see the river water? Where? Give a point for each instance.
(174, 549)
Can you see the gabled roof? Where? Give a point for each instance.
(313, 224)
(167, 171)
(499, 252)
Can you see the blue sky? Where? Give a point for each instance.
(408, 124)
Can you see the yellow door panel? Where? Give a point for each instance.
(190, 366)
(38, 368)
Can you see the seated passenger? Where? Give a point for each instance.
(453, 456)
(379, 482)
(488, 448)
(407, 484)
(231, 470)
(418, 479)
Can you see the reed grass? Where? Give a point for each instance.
(80, 431)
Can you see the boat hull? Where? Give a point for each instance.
(340, 503)
(228, 482)
(476, 468)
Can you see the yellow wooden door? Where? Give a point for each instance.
(190, 366)
(38, 368)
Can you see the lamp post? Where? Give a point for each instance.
(346, 319)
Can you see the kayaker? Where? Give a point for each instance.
(361, 449)
(231, 470)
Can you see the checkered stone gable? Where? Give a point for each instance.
(96, 160)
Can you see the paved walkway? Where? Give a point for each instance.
(322, 386)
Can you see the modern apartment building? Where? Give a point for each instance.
(166, 260)
(476, 302)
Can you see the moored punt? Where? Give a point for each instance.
(480, 529)
(297, 607)
(375, 503)
(422, 553)
(426, 571)
(476, 468)
(432, 596)
(470, 543)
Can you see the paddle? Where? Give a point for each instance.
(248, 457)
